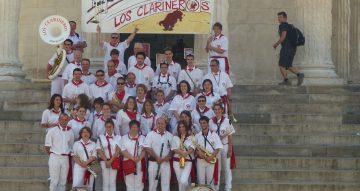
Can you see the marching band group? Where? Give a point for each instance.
(138, 124)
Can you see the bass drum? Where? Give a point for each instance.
(201, 188)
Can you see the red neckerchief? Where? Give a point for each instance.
(120, 96)
(114, 45)
(140, 68)
(111, 73)
(116, 62)
(131, 114)
(67, 128)
(184, 97)
(158, 132)
(190, 69)
(78, 120)
(140, 102)
(102, 118)
(130, 86)
(77, 84)
(134, 138)
(82, 141)
(102, 85)
(88, 74)
(153, 120)
(160, 104)
(206, 94)
(56, 112)
(218, 37)
(108, 136)
(76, 63)
(202, 113)
(98, 115)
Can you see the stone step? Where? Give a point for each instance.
(25, 95)
(274, 108)
(309, 163)
(25, 106)
(25, 137)
(24, 172)
(294, 186)
(298, 150)
(327, 176)
(22, 148)
(24, 184)
(275, 89)
(301, 139)
(21, 115)
(296, 99)
(22, 160)
(255, 129)
(16, 126)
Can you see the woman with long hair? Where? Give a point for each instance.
(127, 114)
(78, 122)
(84, 153)
(108, 150)
(183, 157)
(50, 117)
(147, 118)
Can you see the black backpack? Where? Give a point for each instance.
(296, 37)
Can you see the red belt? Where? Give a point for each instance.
(178, 159)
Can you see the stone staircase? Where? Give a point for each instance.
(287, 139)
(297, 138)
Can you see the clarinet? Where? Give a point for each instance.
(158, 169)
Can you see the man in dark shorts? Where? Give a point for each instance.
(287, 52)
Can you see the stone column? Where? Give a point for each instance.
(220, 14)
(10, 69)
(354, 42)
(316, 20)
(341, 37)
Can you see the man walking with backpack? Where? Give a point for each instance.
(290, 38)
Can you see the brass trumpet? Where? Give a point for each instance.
(202, 149)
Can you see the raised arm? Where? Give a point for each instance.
(132, 35)
(98, 30)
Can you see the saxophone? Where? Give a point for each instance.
(182, 158)
(202, 149)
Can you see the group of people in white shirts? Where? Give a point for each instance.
(140, 123)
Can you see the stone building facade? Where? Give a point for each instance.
(331, 54)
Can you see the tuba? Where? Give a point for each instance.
(54, 30)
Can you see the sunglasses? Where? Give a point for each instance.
(201, 100)
(120, 83)
(113, 37)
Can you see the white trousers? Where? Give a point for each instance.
(205, 172)
(183, 175)
(78, 177)
(164, 173)
(109, 177)
(224, 164)
(58, 170)
(57, 86)
(134, 182)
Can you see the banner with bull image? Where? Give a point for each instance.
(150, 16)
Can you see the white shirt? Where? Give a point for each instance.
(76, 38)
(132, 61)
(113, 79)
(129, 145)
(144, 75)
(147, 124)
(187, 144)
(222, 127)
(121, 68)
(161, 109)
(211, 98)
(121, 47)
(222, 42)
(140, 104)
(99, 127)
(123, 120)
(93, 117)
(197, 113)
(154, 140)
(167, 83)
(68, 72)
(103, 143)
(49, 116)
(180, 103)
(213, 141)
(221, 82)
(60, 141)
(76, 125)
(72, 90)
(193, 76)
(174, 69)
(130, 89)
(102, 91)
(88, 78)
(79, 151)
(68, 60)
